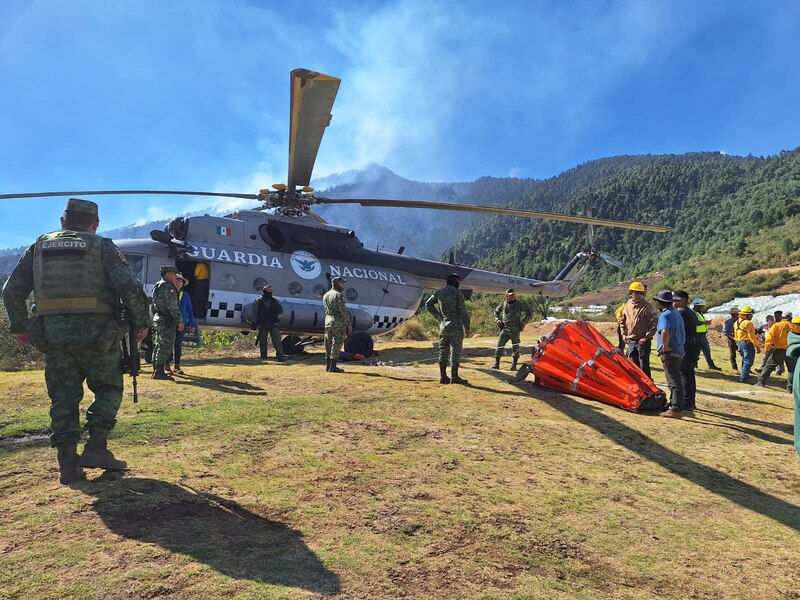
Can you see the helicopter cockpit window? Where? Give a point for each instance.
(295, 288)
(319, 291)
(136, 263)
(178, 227)
(259, 284)
(271, 235)
(351, 294)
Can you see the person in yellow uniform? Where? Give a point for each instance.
(775, 345)
(745, 335)
(200, 290)
(618, 316)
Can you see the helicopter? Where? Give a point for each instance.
(283, 243)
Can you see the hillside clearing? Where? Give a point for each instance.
(267, 480)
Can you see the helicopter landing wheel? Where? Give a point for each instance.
(359, 342)
(292, 345)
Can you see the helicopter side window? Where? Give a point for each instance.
(319, 291)
(259, 284)
(228, 281)
(295, 288)
(136, 264)
(351, 294)
(271, 235)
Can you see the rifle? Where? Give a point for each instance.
(130, 351)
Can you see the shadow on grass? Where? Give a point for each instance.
(713, 480)
(744, 397)
(786, 428)
(767, 437)
(214, 531)
(221, 385)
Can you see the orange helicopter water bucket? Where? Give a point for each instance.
(577, 359)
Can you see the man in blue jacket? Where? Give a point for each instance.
(670, 339)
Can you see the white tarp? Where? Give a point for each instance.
(762, 305)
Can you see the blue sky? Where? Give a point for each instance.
(193, 94)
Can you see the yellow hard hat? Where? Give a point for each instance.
(746, 310)
(796, 319)
(636, 287)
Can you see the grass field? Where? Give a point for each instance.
(264, 480)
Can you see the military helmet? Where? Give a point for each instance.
(637, 286)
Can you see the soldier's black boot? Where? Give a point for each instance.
(96, 454)
(514, 364)
(68, 467)
(496, 363)
(454, 378)
(158, 373)
(443, 378)
(334, 368)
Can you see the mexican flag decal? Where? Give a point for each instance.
(224, 231)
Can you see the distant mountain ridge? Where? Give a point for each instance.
(730, 216)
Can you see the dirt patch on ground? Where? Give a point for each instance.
(611, 293)
(791, 269)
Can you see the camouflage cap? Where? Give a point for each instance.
(337, 279)
(168, 269)
(83, 206)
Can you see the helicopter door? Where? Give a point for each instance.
(198, 273)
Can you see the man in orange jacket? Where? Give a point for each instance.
(775, 345)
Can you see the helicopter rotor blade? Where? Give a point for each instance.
(591, 227)
(128, 192)
(610, 259)
(513, 212)
(312, 97)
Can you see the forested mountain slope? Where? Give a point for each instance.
(730, 215)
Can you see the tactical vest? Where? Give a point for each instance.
(702, 324)
(68, 275)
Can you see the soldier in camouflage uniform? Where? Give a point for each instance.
(511, 316)
(166, 320)
(454, 322)
(77, 279)
(337, 323)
